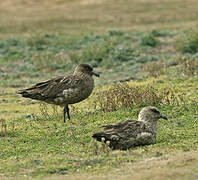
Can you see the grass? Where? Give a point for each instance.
(188, 42)
(146, 55)
(92, 16)
(38, 145)
(47, 55)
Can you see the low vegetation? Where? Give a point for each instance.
(187, 42)
(122, 96)
(34, 140)
(149, 66)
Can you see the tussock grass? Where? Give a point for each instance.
(125, 96)
(149, 40)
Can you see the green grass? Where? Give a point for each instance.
(48, 55)
(148, 43)
(188, 42)
(34, 140)
(49, 147)
(39, 145)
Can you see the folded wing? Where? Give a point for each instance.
(122, 132)
(50, 89)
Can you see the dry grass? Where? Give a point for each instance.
(154, 69)
(122, 95)
(181, 66)
(187, 66)
(21, 17)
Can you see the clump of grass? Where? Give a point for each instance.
(146, 59)
(154, 69)
(3, 132)
(100, 148)
(123, 96)
(122, 54)
(149, 40)
(159, 33)
(115, 32)
(187, 42)
(49, 112)
(187, 66)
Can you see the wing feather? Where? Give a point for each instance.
(52, 88)
(125, 129)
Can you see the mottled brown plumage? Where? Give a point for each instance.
(130, 133)
(64, 90)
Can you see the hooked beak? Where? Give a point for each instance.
(95, 73)
(163, 117)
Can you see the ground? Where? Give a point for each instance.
(146, 52)
(182, 165)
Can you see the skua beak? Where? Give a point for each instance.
(163, 117)
(96, 74)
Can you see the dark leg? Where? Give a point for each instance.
(66, 110)
(68, 116)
